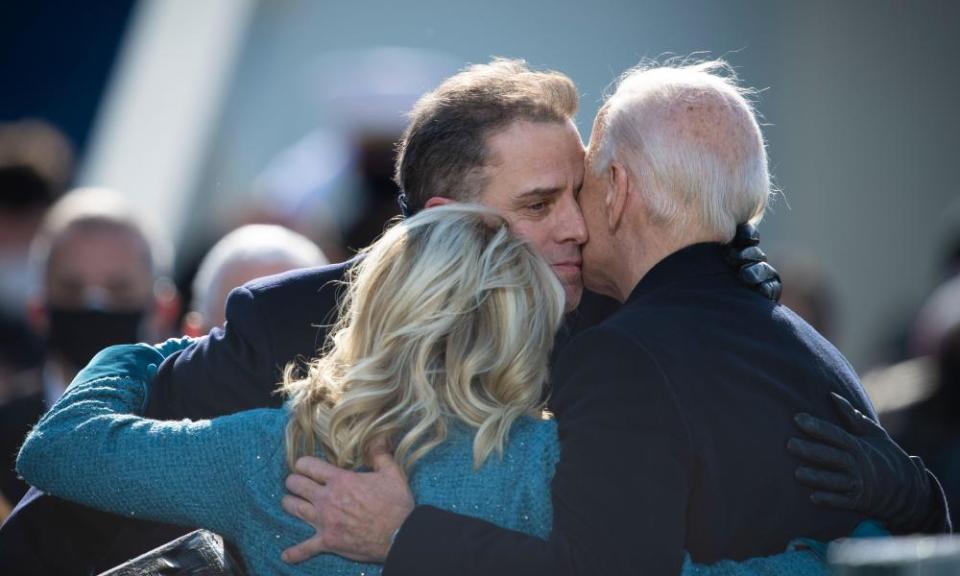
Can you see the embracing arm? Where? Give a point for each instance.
(619, 494)
(229, 370)
(620, 489)
(859, 467)
(271, 321)
(92, 448)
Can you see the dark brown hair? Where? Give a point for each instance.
(443, 150)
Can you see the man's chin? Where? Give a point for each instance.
(572, 294)
(571, 279)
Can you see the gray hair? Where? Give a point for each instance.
(250, 245)
(689, 133)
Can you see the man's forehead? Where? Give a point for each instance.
(535, 158)
(102, 248)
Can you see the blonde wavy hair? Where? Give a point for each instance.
(447, 317)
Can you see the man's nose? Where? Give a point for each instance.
(571, 226)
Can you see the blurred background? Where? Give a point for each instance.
(213, 114)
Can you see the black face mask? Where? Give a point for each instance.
(77, 335)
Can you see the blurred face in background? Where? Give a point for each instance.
(98, 290)
(534, 176)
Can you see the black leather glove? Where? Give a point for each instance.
(859, 467)
(744, 254)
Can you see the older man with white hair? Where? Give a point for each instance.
(701, 376)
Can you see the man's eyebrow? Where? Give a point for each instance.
(538, 193)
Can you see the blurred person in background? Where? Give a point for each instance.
(21, 353)
(101, 279)
(249, 252)
(36, 163)
(919, 398)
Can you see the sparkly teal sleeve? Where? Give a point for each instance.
(793, 562)
(93, 448)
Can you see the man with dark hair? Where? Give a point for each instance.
(525, 159)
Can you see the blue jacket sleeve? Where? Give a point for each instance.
(92, 448)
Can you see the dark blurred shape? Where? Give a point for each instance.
(44, 151)
(930, 428)
(919, 400)
(375, 158)
(199, 553)
(938, 316)
(36, 164)
(60, 537)
(949, 233)
(20, 351)
(807, 290)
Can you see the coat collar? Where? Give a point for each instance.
(697, 260)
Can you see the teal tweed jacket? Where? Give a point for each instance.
(227, 474)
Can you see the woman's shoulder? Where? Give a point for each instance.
(510, 489)
(531, 448)
(541, 429)
(256, 436)
(534, 434)
(534, 427)
(256, 422)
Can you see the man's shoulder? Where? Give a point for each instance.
(629, 325)
(615, 346)
(300, 280)
(303, 297)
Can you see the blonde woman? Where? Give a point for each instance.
(440, 354)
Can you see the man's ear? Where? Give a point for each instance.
(618, 187)
(437, 201)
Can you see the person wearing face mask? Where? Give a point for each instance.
(100, 279)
